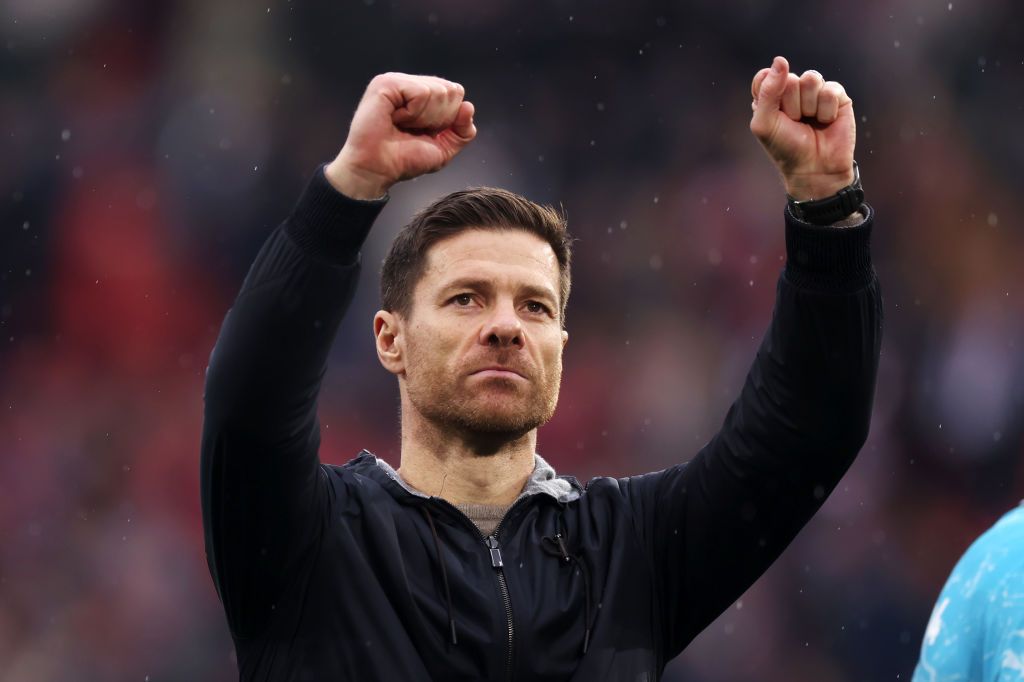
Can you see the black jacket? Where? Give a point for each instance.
(339, 573)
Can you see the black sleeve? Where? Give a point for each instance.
(713, 526)
(261, 485)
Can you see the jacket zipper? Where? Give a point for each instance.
(492, 545)
(491, 541)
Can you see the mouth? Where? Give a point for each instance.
(498, 373)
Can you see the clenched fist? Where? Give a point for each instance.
(405, 126)
(806, 125)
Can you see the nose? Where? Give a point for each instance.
(503, 328)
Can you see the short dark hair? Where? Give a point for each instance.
(483, 208)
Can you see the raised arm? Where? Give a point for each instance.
(714, 525)
(262, 490)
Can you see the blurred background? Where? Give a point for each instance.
(149, 149)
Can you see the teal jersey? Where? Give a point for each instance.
(976, 630)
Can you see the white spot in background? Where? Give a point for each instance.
(976, 372)
(931, 633)
(65, 135)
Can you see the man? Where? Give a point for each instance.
(976, 631)
(474, 560)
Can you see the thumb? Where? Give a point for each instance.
(769, 97)
(463, 126)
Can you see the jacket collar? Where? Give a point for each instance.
(543, 480)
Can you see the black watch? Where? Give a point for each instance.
(830, 209)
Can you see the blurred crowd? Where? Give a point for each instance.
(150, 148)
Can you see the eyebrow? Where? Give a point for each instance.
(487, 285)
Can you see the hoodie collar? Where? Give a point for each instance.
(543, 480)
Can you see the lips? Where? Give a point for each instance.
(499, 371)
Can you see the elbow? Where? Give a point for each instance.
(846, 434)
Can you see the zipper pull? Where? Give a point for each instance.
(561, 547)
(492, 545)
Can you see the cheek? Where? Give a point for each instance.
(551, 353)
(429, 350)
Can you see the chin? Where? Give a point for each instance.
(496, 407)
(489, 417)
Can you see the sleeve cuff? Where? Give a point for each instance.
(829, 259)
(328, 224)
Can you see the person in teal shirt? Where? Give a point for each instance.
(976, 630)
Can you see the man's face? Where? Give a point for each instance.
(482, 348)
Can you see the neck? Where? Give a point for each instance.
(465, 468)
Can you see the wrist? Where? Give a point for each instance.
(807, 187)
(832, 209)
(353, 182)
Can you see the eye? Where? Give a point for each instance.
(462, 300)
(537, 307)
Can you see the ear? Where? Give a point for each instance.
(386, 328)
(565, 338)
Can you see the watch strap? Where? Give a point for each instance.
(831, 209)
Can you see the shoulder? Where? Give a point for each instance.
(363, 480)
(978, 586)
(997, 552)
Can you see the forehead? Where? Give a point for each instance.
(490, 253)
